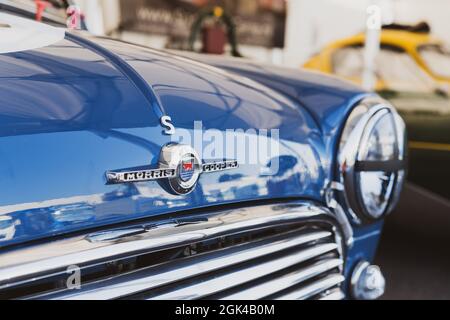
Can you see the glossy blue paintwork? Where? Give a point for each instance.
(364, 247)
(72, 111)
(329, 101)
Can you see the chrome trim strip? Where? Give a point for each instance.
(54, 257)
(178, 163)
(218, 166)
(341, 216)
(276, 285)
(152, 277)
(220, 283)
(117, 177)
(315, 288)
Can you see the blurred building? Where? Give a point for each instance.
(259, 24)
(278, 31)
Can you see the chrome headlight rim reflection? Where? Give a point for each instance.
(358, 130)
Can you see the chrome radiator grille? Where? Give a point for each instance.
(288, 251)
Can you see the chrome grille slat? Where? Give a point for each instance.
(220, 283)
(286, 251)
(315, 288)
(278, 284)
(133, 283)
(87, 253)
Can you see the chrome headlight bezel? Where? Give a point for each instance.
(359, 129)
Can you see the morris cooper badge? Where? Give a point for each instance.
(179, 168)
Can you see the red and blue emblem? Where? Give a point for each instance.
(179, 164)
(187, 169)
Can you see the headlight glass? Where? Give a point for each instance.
(376, 189)
(382, 141)
(372, 159)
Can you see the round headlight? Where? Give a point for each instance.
(372, 159)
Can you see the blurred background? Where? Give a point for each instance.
(398, 48)
(277, 31)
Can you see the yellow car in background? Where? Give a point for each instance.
(413, 72)
(401, 47)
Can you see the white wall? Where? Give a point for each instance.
(102, 16)
(435, 12)
(312, 24)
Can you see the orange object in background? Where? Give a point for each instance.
(200, 3)
(214, 39)
(41, 5)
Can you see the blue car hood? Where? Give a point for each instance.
(327, 98)
(75, 109)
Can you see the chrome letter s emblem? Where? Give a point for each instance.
(166, 122)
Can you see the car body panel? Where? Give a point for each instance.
(74, 110)
(327, 99)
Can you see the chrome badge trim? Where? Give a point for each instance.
(179, 165)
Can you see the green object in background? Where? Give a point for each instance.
(221, 15)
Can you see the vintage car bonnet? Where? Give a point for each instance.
(73, 107)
